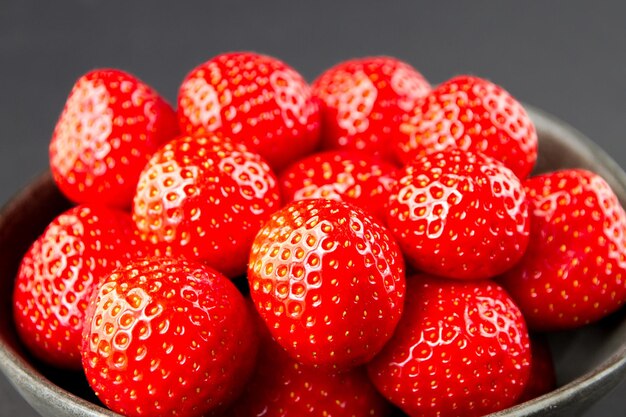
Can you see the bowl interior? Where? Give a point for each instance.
(589, 361)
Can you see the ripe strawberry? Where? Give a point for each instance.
(542, 374)
(350, 176)
(282, 387)
(168, 337)
(574, 272)
(254, 99)
(363, 102)
(328, 281)
(460, 215)
(58, 274)
(473, 114)
(461, 349)
(110, 126)
(205, 198)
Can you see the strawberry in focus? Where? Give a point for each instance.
(205, 198)
(350, 176)
(328, 282)
(58, 274)
(363, 102)
(460, 349)
(459, 215)
(471, 114)
(254, 99)
(168, 337)
(110, 126)
(574, 272)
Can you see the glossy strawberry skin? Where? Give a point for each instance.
(282, 387)
(168, 337)
(111, 124)
(459, 215)
(461, 348)
(472, 114)
(363, 102)
(574, 272)
(328, 281)
(350, 176)
(58, 274)
(254, 99)
(205, 198)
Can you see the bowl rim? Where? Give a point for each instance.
(592, 385)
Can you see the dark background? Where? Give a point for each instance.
(567, 57)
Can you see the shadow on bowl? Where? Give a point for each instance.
(589, 362)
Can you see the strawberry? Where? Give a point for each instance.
(282, 387)
(542, 373)
(254, 99)
(473, 114)
(574, 272)
(205, 198)
(58, 274)
(328, 281)
(110, 126)
(351, 176)
(459, 215)
(363, 102)
(461, 349)
(168, 337)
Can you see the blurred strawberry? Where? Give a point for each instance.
(471, 114)
(110, 126)
(574, 271)
(205, 198)
(542, 374)
(461, 349)
(58, 274)
(254, 99)
(364, 101)
(282, 387)
(350, 176)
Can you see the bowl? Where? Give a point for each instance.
(589, 361)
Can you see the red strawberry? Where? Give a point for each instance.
(350, 176)
(58, 274)
(328, 281)
(110, 126)
(459, 215)
(473, 114)
(542, 374)
(168, 337)
(461, 349)
(364, 101)
(205, 198)
(574, 271)
(254, 99)
(282, 387)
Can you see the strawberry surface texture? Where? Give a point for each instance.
(163, 338)
(461, 349)
(255, 99)
(363, 102)
(328, 281)
(111, 124)
(364, 245)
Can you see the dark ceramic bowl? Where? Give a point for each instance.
(590, 361)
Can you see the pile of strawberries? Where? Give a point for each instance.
(390, 248)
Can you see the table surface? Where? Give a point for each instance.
(567, 57)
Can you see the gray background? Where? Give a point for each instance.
(567, 57)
